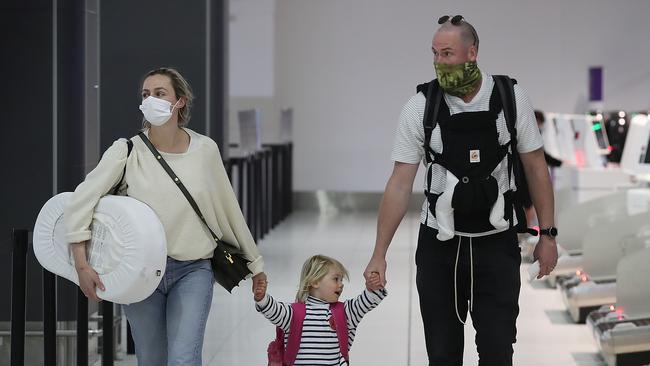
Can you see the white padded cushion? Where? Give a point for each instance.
(128, 248)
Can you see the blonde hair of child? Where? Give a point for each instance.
(314, 270)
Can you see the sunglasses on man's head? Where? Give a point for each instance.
(455, 20)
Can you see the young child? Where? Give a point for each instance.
(321, 284)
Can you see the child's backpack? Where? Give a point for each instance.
(280, 356)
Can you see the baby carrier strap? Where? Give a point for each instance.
(433, 95)
(295, 331)
(506, 87)
(431, 112)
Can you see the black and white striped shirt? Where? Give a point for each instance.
(318, 343)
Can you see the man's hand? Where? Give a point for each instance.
(88, 281)
(375, 273)
(374, 283)
(546, 253)
(259, 286)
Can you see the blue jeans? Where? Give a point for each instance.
(169, 325)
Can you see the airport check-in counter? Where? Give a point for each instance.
(622, 331)
(604, 246)
(573, 222)
(564, 199)
(567, 264)
(588, 183)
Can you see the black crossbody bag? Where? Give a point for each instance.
(228, 263)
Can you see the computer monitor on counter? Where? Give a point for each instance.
(592, 146)
(636, 153)
(577, 139)
(559, 138)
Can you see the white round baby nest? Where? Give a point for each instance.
(128, 248)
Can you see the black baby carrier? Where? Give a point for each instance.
(471, 151)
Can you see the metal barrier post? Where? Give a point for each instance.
(240, 182)
(266, 201)
(18, 283)
(130, 344)
(289, 177)
(49, 318)
(250, 216)
(228, 166)
(82, 329)
(283, 182)
(107, 333)
(277, 197)
(277, 180)
(259, 197)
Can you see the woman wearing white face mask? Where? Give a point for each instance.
(168, 326)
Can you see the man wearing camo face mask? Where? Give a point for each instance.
(455, 59)
(476, 160)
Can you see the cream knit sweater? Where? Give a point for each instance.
(201, 171)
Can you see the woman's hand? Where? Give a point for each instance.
(88, 281)
(259, 286)
(88, 278)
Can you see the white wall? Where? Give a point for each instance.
(348, 66)
(251, 64)
(252, 48)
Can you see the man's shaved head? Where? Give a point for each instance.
(466, 31)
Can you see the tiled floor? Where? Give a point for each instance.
(392, 334)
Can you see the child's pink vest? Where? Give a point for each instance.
(281, 356)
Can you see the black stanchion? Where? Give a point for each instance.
(283, 181)
(107, 333)
(228, 166)
(264, 186)
(250, 182)
(259, 197)
(240, 181)
(289, 178)
(274, 188)
(277, 181)
(262, 193)
(49, 318)
(266, 193)
(286, 180)
(82, 329)
(130, 344)
(250, 217)
(18, 284)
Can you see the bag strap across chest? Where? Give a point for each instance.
(178, 183)
(129, 147)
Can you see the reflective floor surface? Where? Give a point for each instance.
(391, 334)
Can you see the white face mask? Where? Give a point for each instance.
(157, 111)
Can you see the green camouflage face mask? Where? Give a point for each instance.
(458, 80)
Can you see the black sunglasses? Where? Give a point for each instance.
(456, 20)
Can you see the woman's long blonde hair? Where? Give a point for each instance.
(314, 269)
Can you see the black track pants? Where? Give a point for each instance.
(496, 261)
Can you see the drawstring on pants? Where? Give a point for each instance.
(471, 271)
